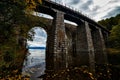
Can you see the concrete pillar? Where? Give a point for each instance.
(56, 45)
(99, 47)
(84, 47)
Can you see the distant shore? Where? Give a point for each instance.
(36, 47)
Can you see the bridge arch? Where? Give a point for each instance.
(36, 56)
(61, 38)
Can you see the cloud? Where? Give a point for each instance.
(85, 6)
(39, 39)
(113, 1)
(36, 44)
(108, 10)
(98, 9)
(40, 31)
(115, 11)
(74, 2)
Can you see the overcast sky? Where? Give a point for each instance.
(98, 9)
(39, 39)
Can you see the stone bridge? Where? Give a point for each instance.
(69, 45)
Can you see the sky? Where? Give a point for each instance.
(97, 9)
(39, 39)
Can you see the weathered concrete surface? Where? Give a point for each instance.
(56, 49)
(99, 46)
(84, 46)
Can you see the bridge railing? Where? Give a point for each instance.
(70, 7)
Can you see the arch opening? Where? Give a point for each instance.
(34, 63)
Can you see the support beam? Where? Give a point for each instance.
(56, 45)
(84, 47)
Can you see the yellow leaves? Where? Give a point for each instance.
(40, 1)
(27, 1)
(31, 4)
(15, 71)
(76, 73)
(17, 77)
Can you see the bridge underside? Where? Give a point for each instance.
(73, 46)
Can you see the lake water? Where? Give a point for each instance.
(35, 56)
(34, 63)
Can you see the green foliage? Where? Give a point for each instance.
(11, 14)
(114, 38)
(109, 23)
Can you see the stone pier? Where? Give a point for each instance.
(84, 46)
(56, 50)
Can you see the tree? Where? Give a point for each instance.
(114, 39)
(11, 14)
(109, 23)
(14, 20)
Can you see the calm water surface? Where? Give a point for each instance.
(34, 64)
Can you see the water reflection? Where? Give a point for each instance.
(34, 64)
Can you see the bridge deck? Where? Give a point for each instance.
(71, 15)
